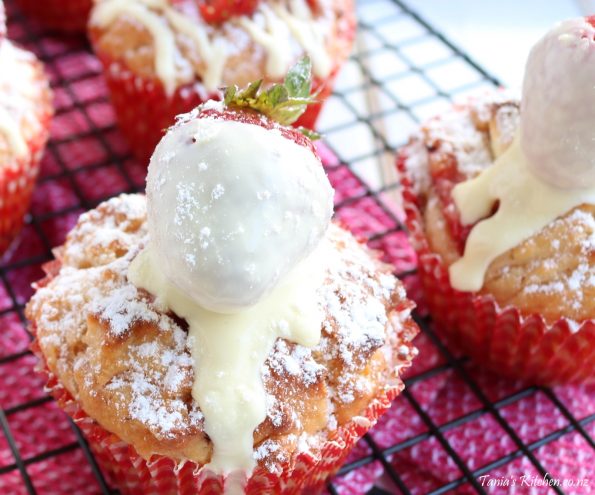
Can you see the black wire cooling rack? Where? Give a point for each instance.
(402, 69)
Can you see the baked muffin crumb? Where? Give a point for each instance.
(128, 362)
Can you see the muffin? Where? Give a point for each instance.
(203, 47)
(25, 112)
(500, 202)
(221, 333)
(67, 16)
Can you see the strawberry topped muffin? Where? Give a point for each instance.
(164, 57)
(25, 112)
(67, 16)
(500, 201)
(221, 334)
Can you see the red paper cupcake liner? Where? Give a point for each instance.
(502, 339)
(68, 16)
(17, 181)
(305, 473)
(144, 110)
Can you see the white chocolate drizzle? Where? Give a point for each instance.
(229, 351)
(277, 28)
(165, 45)
(526, 205)
(308, 33)
(273, 37)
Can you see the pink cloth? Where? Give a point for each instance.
(80, 165)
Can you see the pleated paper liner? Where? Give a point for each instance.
(67, 16)
(144, 110)
(501, 339)
(17, 180)
(305, 473)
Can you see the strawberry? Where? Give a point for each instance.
(591, 20)
(218, 11)
(277, 107)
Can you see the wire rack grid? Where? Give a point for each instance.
(402, 71)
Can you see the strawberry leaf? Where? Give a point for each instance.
(251, 91)
(298, 80)
(284, 102)
(309, 133)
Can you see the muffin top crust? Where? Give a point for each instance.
(553, 271)
(127, 360)
(171, 42)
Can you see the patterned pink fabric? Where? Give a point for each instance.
(80, 168)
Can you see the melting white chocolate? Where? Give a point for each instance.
(237, 216)
(277, 28)
(550, 167)
(229, 350)
(526, 205)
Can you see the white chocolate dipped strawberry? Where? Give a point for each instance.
(558, 105)
(235, 199)
(238, 206)
(550, 167)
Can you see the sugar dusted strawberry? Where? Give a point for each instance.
(218, 11)
(256, 174)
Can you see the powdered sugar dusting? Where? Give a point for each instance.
(124, 306)
(150, 381)
(293, 360)
(356, 308)
(462, 133)
(457, 135)
(578, 282)
(103, 234)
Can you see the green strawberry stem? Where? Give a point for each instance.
(283, 103)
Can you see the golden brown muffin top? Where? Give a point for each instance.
(248, 47)
(553, 271)
(127, 361)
